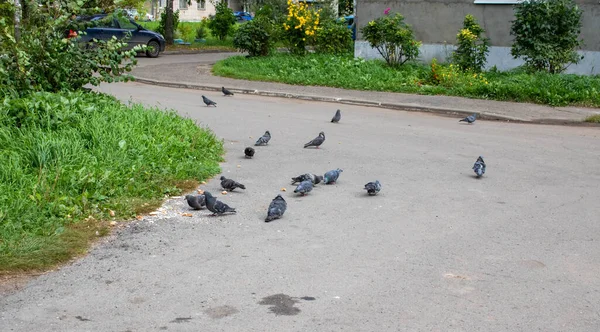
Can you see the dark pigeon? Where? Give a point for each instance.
(229, 184)
(249, 152)
(470, 118)
(276, 208)
(315, 179)
(264, 139)
(332, 176)
(317, 141)
(337, 117)
(208, 102)
(226, 92)
(479, 167)
(215, 206)
(196, 202)
(304, 187)
(373, 188)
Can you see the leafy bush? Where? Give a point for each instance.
(453, 75)
(201, 32)
(300, 26)
(472, 49)
(68, 159)
(223, 21)
(186, 31)
(333, 38)
(392, 38)
(163, 19)
(255, 37)
(547, 34)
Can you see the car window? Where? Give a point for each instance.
(125, 23)
(104, 22)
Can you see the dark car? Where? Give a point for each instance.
(242, 16)
(107, 26)
(349, 20)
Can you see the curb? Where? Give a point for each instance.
(395, 106)
(183, 52)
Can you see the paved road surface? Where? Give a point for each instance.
(437, 250)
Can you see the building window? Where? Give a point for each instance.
(183, 4)
(201, 4)
(161, 3)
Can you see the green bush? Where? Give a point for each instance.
(255, 37)
(472, 49)
(222, 22)
(68, 159)
(547, 34)
(163, 19)
(333, 38)
(201, 32)
(392, 38)
(186, 31)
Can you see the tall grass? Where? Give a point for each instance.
(67, 160)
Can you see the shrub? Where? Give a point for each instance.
(547, 34)
(163, 20)
(452, 75)
(201, 32)
(392, 38)
(300, 27)
(255, 37)
(186, 31)
(223, 21)
(472, 49)
(334, 38)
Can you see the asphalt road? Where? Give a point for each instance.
(437, 250)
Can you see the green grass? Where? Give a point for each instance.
(67, 160)
(349, 73)
(187, 32)
(593, 119)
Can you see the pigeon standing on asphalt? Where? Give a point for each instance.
(226, 92)
(304, 187)
(230, 185)
(317, 141)
(264, 139)
(249, 152)
(332, 176)
(373, 188)
(208, 102)
(276, 208)
(315, 179)
(196, 202)
(479, 167)
(215, 206)
(337, 117)
(470, 118)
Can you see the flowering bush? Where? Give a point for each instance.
(452, 75)
(300, 26)
(472, 47)
(392, 38)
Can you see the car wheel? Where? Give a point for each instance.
(153, 49)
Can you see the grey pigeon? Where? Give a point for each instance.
(249, 152)
(373, 188)
(264, 139)
(208, 102)
(196, 202)
(215, 206)
(337, 117)
(315, 179)
(304, 187)
(229, 184)
(317, 141)
(479, 167)
(226, 92)
(276, 208)
(470, 118)
(332, 176)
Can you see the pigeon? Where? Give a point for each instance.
(479, 167)
(317, 141)
(249, 152)
(332, 176)
(315, 179)
(373, 188)
(226, 92)
(196, 202)
(208, 102)
(264, 139)
(229, 184)
(337, 117)
(215, 206)
(276, 208)
(304, 187)
(470, 118)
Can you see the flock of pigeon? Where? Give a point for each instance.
(306, 181)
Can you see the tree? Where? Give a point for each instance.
(169, 22)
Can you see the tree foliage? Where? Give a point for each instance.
(221, 24)
(472, 47)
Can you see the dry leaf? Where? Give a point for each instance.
(186, 214)
(139, 217)
(111, 213)
(239, 166)
(113, 223)
(200, 191)
(153, 213)
(283, 189)
(203, 182)
(224, 192)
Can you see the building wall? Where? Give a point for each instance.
(193, 12)
(436, 23)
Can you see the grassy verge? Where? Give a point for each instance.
(187, 32)
(349, 73)
(593, 119)
(71, 162)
